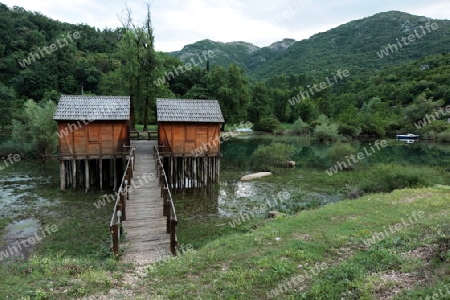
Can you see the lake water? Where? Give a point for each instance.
(18, 191)
(234, 196)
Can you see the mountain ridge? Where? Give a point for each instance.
(353, 45)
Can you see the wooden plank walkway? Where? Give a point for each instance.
(146, 240)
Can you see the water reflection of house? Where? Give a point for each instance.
(189, 141)
(94, 138)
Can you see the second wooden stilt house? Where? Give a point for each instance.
(189, 141)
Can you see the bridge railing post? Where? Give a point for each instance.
(114, 229)
(165, 202)
(168, 207)
(134, 158)
(173, 242)
(130, 170)
(123, 204)
(119, 215)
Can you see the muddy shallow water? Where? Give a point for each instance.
(18, 197)
(15, 239)
(20, 204)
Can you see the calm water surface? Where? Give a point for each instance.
(233, 196)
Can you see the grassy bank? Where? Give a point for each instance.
(411, 262)
(258, 259)
(72, 262)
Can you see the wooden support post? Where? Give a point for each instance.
(183, 173)
(100, 167)
(115, 173)
(114, 229)
(62, 173)
(173, 242)
(74, 173)
(86, 174)
(171, 170)
(218, 169)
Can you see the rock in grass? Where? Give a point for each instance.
(255, 175)
(273, 214)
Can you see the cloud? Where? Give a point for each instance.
(261, 22)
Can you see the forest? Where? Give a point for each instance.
(380, 101)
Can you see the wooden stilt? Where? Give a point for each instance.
(62, 174)
(115, 174)
(100, 171)
(218, 169)
(86, 174)
(74, 173)
(68, 172)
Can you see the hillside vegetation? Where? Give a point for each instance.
(352, 46)
(335, 79)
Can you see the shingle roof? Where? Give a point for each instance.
(81, 107)
(188, 110)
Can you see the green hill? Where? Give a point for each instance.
(352, 46)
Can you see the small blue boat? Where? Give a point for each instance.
(408, 136)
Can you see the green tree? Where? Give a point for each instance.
(261, 104)
(7, 99)
(280, 103)
(420, 107)
(273, 155)
(300, 127)
(268, 124)
(230, 87)
(326, 131)
(35, 130)
(139, 66)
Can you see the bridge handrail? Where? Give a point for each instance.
(120, 204)
(168, 205)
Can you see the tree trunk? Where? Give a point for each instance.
(146, 114)
(132, 116)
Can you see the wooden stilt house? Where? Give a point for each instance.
(189, 141)
(94, 139)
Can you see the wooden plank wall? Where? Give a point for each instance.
(95, 138)
(183, 138)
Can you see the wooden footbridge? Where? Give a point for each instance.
(144, 218)
(95, 149)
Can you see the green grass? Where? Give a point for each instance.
(151, 127)
(72, 262)
(247, 265)
(250, 260)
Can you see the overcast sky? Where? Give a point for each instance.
(261, 22)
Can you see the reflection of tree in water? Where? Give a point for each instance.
(419, 153)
